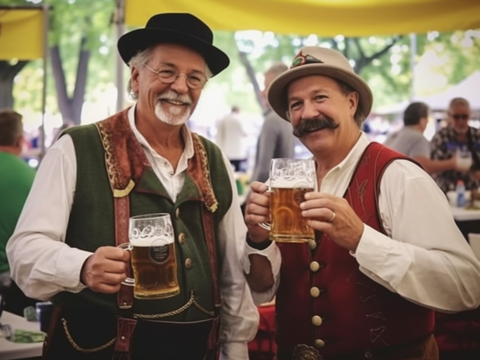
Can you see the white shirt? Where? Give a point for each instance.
(231, 137)
(424, 256)
(43, 265)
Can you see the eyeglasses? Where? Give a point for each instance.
(168, 76)
(460, 116)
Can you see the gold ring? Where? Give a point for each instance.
(333, 217)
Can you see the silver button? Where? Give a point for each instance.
(122, 338)
(188, 263)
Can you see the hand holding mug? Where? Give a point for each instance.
(105, 269)
(257, 211)
(290, 180)
(334, 216)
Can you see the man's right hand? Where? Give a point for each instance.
(105, 270)
(257, 211)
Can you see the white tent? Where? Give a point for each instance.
(468, 89)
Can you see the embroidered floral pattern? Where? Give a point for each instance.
(117, 181)
(209, 196)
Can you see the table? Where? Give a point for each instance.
(467, 220)
(462, 214)
(10, 350)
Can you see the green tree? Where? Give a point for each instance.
(384, 62)
(80, 43)
(81, 28)
(255, 52)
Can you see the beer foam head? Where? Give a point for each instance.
(292, 184)
(151, 241)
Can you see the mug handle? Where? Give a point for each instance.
(266, 225)
(127, 247)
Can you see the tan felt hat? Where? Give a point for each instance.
(315, 60)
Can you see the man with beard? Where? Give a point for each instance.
(142, 160)
(386, 251)
(459, 140)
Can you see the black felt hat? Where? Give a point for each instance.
(178, 28)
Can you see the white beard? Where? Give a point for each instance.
(175, 115)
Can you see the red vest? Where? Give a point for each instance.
(460, 331)
(356, 313)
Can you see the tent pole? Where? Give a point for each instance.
(413, 60)
(120, 29)
(44, 90)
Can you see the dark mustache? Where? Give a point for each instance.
(310, 125)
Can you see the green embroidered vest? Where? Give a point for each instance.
(111, 144)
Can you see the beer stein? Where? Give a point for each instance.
(152, 248)
(290, 180)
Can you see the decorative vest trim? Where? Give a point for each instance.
(356, 313)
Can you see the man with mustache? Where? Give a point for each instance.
(142, 160)
(386, 253)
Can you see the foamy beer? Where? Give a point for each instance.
(153, 259)
(289, 180)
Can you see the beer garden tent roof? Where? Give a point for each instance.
(21, 32)
(321, 17)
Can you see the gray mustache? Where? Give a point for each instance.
(311, 125)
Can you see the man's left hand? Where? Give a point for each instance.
(333, 216)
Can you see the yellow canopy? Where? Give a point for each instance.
(21, 33)
(321, 17)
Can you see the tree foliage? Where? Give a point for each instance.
(384, 62)
(82, 42)
(80, 48)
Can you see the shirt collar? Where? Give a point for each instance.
(354, 154)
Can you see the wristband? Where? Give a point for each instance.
(258, 245)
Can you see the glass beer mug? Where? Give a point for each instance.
(289, 180)
(152, 247)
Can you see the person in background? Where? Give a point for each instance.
(387, 252)
(16, 179)
(276, 139)
(410, 140)
(142, 160)
(461, 141)
(230, 138)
